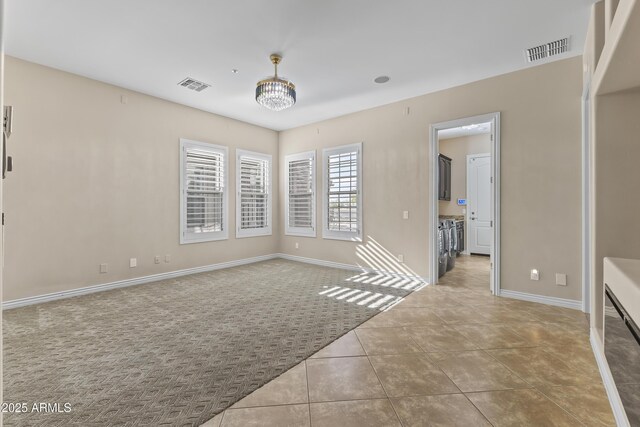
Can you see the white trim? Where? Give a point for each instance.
(131, 282)
(298, 231)
(558, 302)
(352, 267)
(586, 185)
(321, 262)
(254, 232)
(340, 235)
(494, 119)
(607, 379)
(186, 238)
(6, 305)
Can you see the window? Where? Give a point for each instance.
(253, 204)
(342, 176)
(300, 202)
(203, 192)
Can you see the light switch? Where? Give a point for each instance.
(400, 258)
(157, 259)
(133, 262)
(103, 268)
(405, 214)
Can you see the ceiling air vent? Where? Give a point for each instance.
(193, 84)
(546, 50)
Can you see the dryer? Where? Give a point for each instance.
(443, 248)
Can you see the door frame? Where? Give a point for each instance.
(586, 197)
(466, 216)
(434, 149)
(2, 29)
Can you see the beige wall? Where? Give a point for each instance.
(540, 127)
(457, 149)
(97, 181)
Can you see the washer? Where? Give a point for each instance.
(452, 248)
(443, 248)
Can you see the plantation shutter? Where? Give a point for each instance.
(301, 193)
(343, 192)
(254, 177)
(342, 172)
(204, 198)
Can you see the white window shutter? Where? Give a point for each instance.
(300, 187)
(343, 195)
(204, 193)
(254, 194)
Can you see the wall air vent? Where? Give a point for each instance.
(193, 84)
(546, 50)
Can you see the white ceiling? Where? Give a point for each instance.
(475, 129)
(333, 49)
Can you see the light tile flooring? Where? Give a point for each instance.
(448, 355)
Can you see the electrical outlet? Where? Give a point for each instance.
(561, 279)
(133, 262)
(157, 260)
(405, 214)
(400, 258)
(103, 268)
(535, 274)
(167, 258)
(297, 245)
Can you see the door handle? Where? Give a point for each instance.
(472, 218)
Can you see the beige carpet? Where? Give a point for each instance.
(179, 351)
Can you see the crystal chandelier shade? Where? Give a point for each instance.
(275, 93)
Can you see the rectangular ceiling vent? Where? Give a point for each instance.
(193, 84)
(548, 49)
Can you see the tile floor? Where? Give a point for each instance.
(448, 355)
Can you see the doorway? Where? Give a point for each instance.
(488, 230)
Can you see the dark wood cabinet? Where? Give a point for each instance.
(444, 177)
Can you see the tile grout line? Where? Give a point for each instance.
(509, 369)
(306, 376)
(385, 391)
(477, 409)
(378, 378)
(558, 405)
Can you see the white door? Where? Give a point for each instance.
(479, 204)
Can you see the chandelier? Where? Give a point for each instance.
(275, 93)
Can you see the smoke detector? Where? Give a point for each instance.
(547, 50)
(193, 84)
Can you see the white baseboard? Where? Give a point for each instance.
(332, 264)
(607, 379)
(131, 282)
(172, 274)
(321, 262)
(559, 302)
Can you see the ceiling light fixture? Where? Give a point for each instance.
(382, 79)
(275, 93)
